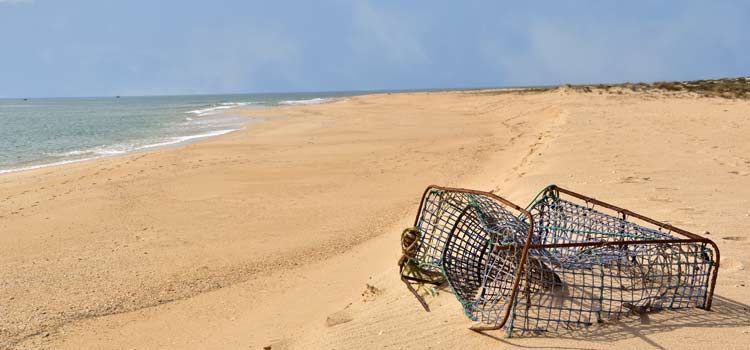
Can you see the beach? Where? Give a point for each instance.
(285, 234)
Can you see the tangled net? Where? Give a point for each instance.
(561, 262)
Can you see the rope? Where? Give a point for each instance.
(409, 244)
(409, 267)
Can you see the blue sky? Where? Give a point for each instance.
(102, 48)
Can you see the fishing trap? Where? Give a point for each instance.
(566, 261)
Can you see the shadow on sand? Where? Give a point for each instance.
(725, 313)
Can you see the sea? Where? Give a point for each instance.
(42, 132)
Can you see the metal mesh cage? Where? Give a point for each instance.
(564, 262)
(440, 211)
(480, 260)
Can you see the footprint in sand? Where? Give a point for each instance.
(633, 179)
(659, 199)
(339, 317)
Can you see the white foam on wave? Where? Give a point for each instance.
(109, 151)
(209, 110)
(216, 108)
(181, 139)
(96, 151)
(236, 103)
(312, 101)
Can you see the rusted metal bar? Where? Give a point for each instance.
(524, 252)
(626, 212)
(696, 238)
(615, 243)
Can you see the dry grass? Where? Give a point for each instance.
(730, 88)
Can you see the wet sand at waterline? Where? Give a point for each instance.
(286, 233)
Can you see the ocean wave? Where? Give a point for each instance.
(236, 104)
(181, 139)
(95, 151)
(218, 107)
(207, 111)
(312, 101)
(114, 150)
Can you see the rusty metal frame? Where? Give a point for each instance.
(624, 213)
(524, 252)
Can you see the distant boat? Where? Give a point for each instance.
(117, 96)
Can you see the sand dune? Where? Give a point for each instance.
(285, 234)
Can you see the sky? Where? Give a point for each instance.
(61, 48)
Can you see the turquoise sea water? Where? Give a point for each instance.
(42, 132)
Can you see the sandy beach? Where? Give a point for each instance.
(285, 234)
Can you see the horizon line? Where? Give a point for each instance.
(465, 88)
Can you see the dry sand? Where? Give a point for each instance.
(285, 234)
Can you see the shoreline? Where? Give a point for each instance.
(225, 109)
(147, 148)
